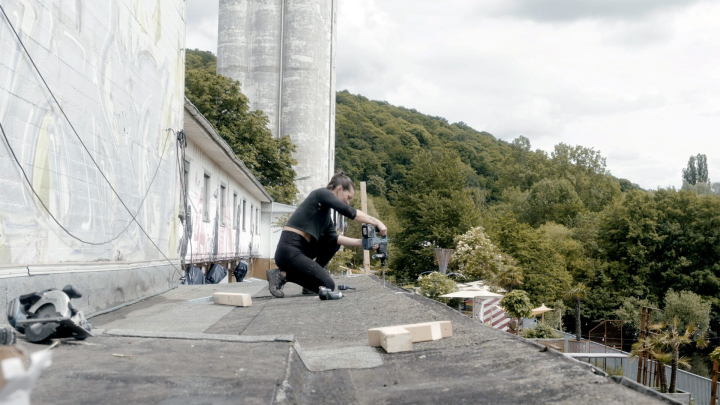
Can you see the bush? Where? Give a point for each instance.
(541, 331)
(436, 284)
(342, 258)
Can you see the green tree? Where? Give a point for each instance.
(545, 275)
(696, 170)
(578, 294)
(435, 284)
(508, 278)
(624, 242)
(673, 337)
(479, 259)
(652, 242)
(523, 167)
(517, 304)
(220, 100)
(565, 242)
(688, 308)
(690, 174)
(553, 200)
(435, 208)
(654, 348)
(630, 312)
(585, 169)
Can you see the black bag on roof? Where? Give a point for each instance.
(240, 271)
(216, 274)
(194, 275)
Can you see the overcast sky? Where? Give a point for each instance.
(638, 80)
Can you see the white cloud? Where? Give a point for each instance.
(201, 28)
(571, 10)
(638, 76)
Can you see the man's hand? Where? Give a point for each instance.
(382, 229)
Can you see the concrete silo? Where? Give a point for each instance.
(283, 54)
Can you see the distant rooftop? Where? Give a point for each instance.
(169, 350)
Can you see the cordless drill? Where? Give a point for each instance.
(370, 239)
(327, 294)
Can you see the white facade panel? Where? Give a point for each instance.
(117, 70)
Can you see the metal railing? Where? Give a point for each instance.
(699, 387)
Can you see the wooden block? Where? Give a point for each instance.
(421, 332)
(445, 329)
(374, 336)
(395, 339)
(236, 299)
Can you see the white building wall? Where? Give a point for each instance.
(116, 68)
(271, 214)
(202, 240)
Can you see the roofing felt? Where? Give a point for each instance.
(303, 350)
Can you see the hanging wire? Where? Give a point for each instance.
(134, 219)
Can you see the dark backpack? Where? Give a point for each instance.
(216, 274)
(240, 271)
(194, 275)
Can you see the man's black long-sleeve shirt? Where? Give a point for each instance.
(313, 214)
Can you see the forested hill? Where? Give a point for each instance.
(376, 141)
(560, 217)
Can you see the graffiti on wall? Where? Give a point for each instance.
(116, 68)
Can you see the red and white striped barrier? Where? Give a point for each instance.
(488, 311)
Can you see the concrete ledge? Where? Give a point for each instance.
(40, 269)
(645, 390)
(198, 336)
(101, 289)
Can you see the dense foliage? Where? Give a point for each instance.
(220, 100)
(541, 331)
(435, 284)
(560, 217)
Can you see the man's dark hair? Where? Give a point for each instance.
(341, 179)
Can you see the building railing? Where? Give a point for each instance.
(699, 387)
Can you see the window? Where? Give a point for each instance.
(257, 221)
(222, 204)
(252, 223)
(243, 214)
(206, 203)
(235, 211)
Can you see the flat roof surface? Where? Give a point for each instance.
(302, 350)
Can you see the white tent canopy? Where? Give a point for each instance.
(472, 293)
(540, 310)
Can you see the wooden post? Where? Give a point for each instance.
(641, 358)
(363, 207)
(713, 389)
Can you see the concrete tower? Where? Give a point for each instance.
(283, 54)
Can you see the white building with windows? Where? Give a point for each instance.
(230, 213)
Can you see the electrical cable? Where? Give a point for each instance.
(181, 172)
(12, 27)
(27, 180)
